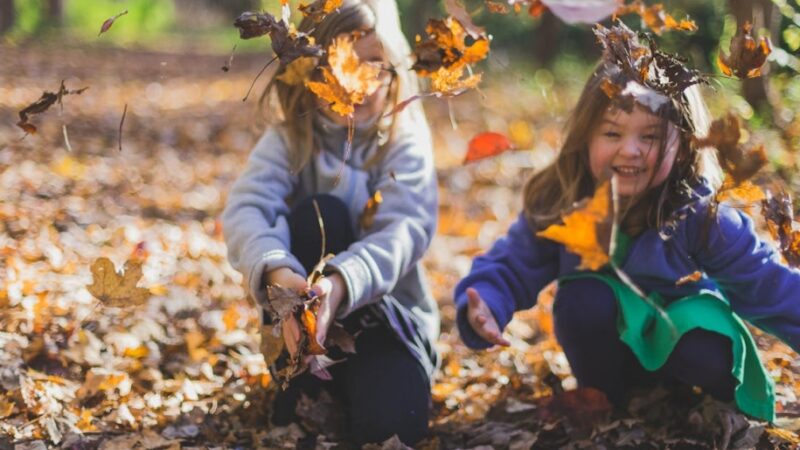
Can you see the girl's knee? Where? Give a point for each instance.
(585, 303)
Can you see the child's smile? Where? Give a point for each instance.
(628, 145)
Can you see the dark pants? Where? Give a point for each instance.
(585, 315)
(385, 390)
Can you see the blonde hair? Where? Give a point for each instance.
(297, 104)
(568, 178)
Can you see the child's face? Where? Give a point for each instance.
(627, 145)
(369, 49)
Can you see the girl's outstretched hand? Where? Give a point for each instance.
(286, 277)
(481, 319)
(331, 291)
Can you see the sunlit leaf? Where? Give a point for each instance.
(367, 217)
(693, 277)
(586, 231)
(747, 54)
(117, 289)
(655, 18)
(299, 71)
(486, 145)
(319, 9)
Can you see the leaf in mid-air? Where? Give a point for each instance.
(117, 289)
(586, 231)
(747, 54)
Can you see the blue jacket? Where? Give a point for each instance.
(736, 264)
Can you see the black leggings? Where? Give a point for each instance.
(385, 390)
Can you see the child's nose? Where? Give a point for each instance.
(630, 147)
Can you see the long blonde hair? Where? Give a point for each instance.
(297, 105)
(568, 178)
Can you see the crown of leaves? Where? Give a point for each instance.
(664, 76)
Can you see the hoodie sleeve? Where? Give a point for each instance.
(403, 225)
(750, 272)
(255, 217)
(508, 278)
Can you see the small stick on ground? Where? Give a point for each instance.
(122, 121)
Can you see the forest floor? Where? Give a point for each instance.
(183, 370)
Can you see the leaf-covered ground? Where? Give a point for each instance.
(183, 370)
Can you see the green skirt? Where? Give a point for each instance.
(652, 337)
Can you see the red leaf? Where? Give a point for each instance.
(486, 145)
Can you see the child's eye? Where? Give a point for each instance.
(611, 134)
(650, 137)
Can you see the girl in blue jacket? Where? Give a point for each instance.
(670, 227)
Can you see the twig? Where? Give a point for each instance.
(259, 76)
(321, 223)
(121, 121)
(66, 137)
(228, 65)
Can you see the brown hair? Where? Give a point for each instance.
(568, 178)
(297, 104)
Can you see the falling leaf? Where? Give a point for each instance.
(655, 18)
(586, 231)
(110, 21)
(117, 289)
(288, 45)
(319, 9)
(446, 46)
(739, 161)
(367, 217)
(449, 82)
(778, 212)
(299, 70)
(348, 81)
(744, 193)
(693, 277)
(496, 7)
(746, 54)
(44, 103)
(486, 145)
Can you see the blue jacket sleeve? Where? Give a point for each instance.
(508, 278)
(761, 289)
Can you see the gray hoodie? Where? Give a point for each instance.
(383, 264)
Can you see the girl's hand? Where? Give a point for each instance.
(481, 319)
(331, 291)
(286, 277)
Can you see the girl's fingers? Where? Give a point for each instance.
(480, 319)
(473, 299)
(322, 287)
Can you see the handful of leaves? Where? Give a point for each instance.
(285, 304)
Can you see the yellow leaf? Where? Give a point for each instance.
(231, 317)
(370, 209)
(194, 341)
(448, 81)
(348, 81)
(6, 407)
(299, 70)
(586, 230)
(114, 289)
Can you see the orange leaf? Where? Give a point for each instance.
(448, 82)
(446, 46)
(115, 289)
(348, 81)
(586, 231)
(691, 278)
(655, 18)
(309, 320)
(319, 9)
(746, 54)
(370, 209)
(486, 145)
(739, 162)
(231, 317)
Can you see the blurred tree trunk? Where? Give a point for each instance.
(546, 50)
(7, 15)
(55, 13)
(758, 92)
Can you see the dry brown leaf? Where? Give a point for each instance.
(117, 289)
(739, 161)
(746, 54)
(586, 230)
(271, 345)
(319, 9)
